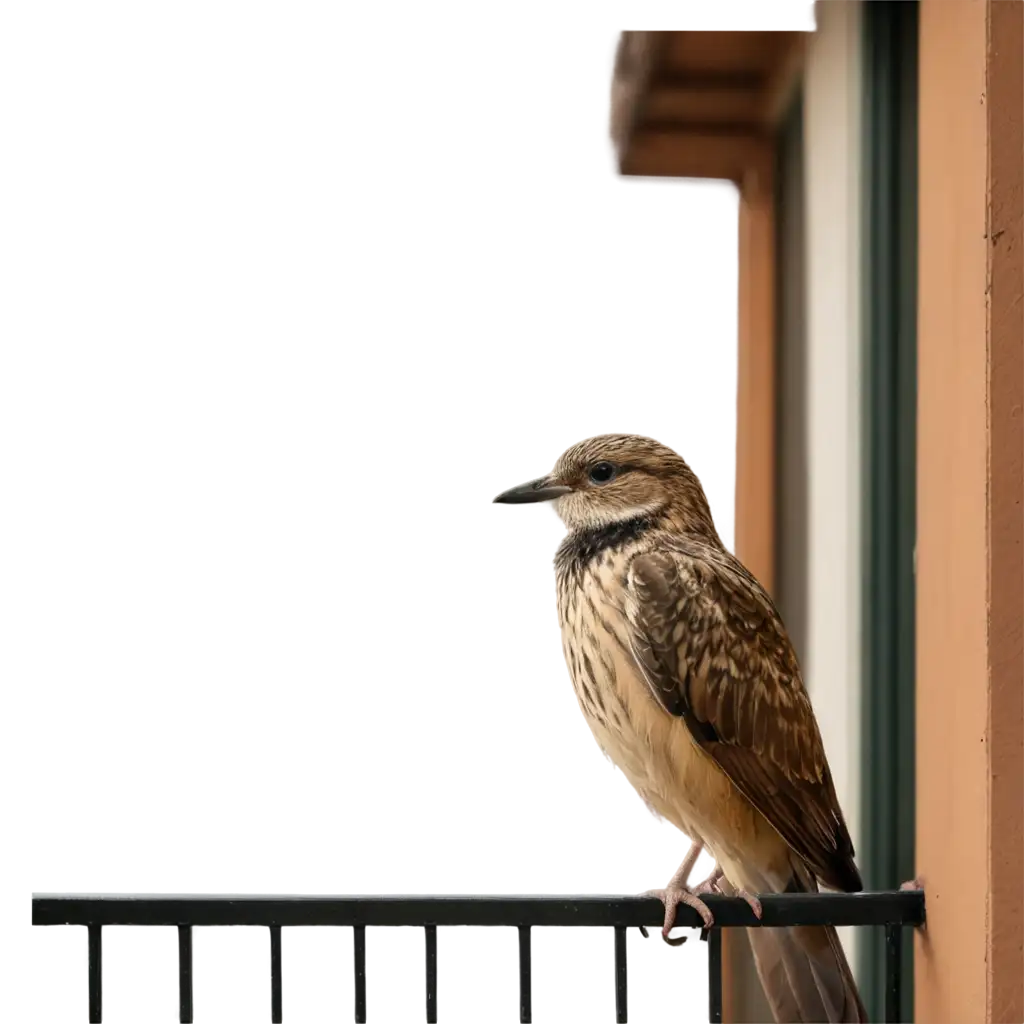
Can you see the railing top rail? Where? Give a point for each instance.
(839, 909)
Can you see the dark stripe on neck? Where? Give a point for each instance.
(582, 547)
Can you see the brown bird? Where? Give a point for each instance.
(688, 681)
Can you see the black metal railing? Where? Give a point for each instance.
(442, 956)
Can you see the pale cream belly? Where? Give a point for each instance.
(655, 752)
(677, 780)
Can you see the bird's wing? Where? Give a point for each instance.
(712, 647)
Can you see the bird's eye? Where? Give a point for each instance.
(601, 472)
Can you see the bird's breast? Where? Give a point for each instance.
(653, 749)
(637, 737)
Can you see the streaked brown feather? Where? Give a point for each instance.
(733, 678)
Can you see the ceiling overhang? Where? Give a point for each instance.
(700, 104)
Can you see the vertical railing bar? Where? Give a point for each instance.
(359, 950)
(276, 1014)
(893, 972)
(715, 975)
(95, 973)
(430, 931)
(621, 1010)
(185, 973)
(196, 971)
(525, 976)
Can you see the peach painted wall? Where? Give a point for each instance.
(970, 801)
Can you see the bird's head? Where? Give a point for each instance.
(619, 477)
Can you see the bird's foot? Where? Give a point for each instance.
(913, 885)
(751, 901)
(673, 896)
(711, 885)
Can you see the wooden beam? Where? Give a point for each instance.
(635, 60)
(686, 106)
(755, 460)
(696, 105)
(692, 154)
(705, 80)
(755, 399)
(754, 97)
(728, 52)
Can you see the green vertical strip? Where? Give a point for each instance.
(904, 859)
(890, 323)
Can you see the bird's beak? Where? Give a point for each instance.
(542, 489)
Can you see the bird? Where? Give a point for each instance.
(684, 672)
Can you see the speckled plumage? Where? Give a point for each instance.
(684, 672)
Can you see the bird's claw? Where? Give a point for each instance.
(672, 897)
(751, 901)
(914, 885)
(710, 885)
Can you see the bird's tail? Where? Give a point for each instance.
(804, 971)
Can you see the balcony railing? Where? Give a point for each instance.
(442, 956)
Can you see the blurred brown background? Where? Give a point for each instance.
(285, 297)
